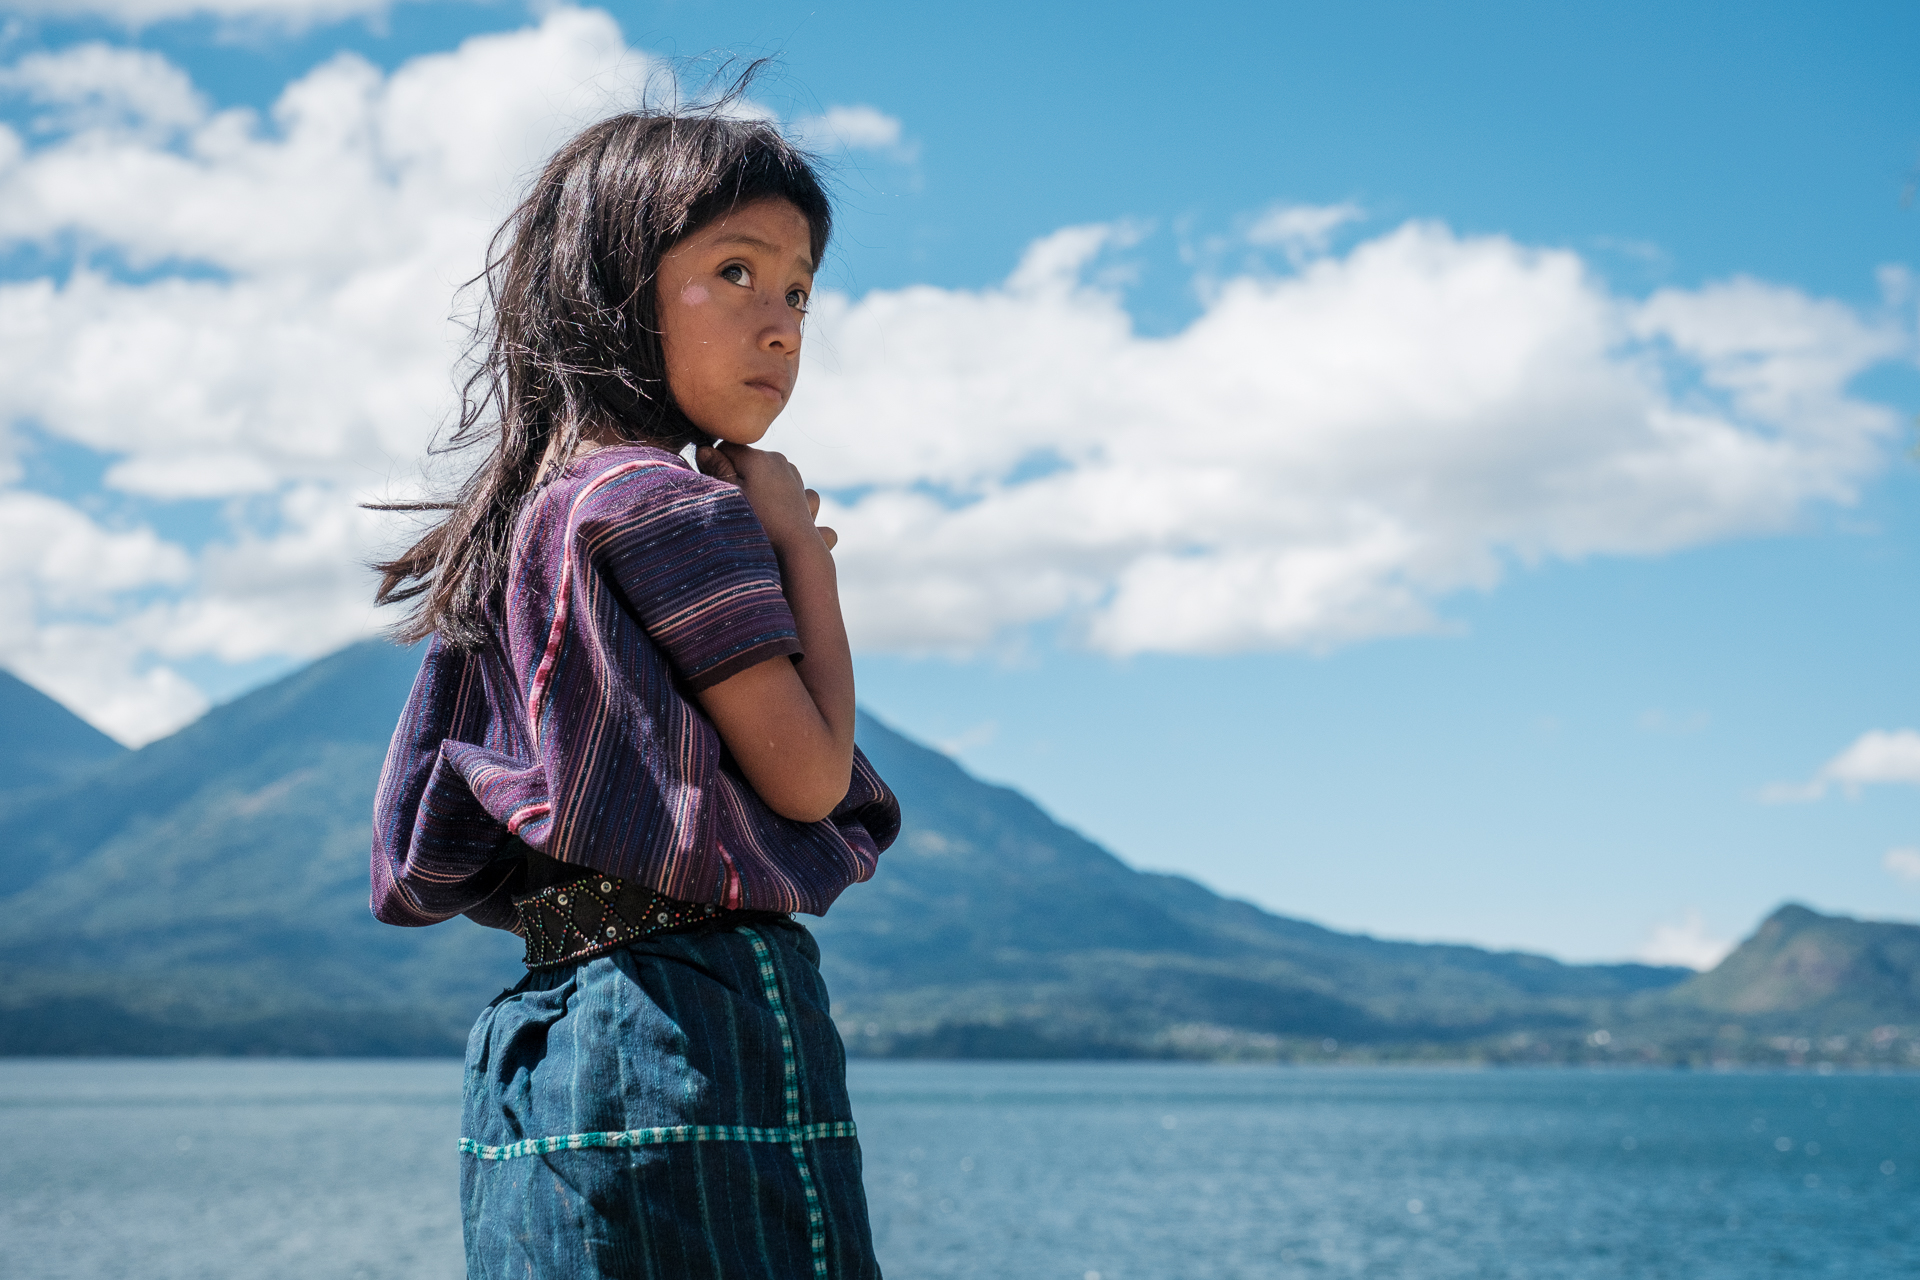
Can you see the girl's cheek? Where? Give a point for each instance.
(694, 294)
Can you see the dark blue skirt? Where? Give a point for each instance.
(676, 1109)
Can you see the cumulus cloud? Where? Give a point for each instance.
(1877, 756)
(857, 128)
(1322, 456)
(1686, 942)
(76, 593)
(297, 360)
(1318, 458)
(99, 86)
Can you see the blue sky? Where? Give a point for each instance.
(1560, 736)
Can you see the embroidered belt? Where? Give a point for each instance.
(596, 914)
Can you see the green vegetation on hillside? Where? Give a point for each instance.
(207, 894)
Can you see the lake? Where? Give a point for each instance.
(217, 1168)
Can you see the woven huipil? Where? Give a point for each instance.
(636, 582)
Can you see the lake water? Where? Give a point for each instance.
(1124, 1171)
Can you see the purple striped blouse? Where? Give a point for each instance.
(636, 582)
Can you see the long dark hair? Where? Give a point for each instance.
(569, 342)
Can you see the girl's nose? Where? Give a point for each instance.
(782, 332)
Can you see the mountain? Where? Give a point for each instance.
(42, 743)
(993, 929)
(1806, 974)
(207, 894)
(1814, 971)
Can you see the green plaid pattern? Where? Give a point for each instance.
(770, 982)
(794, 1134)
(657, 1137)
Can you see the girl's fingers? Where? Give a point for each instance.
(829, 537)
(813, 505)
(714, 463)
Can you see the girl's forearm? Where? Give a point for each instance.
(790, 725)
(812, 584)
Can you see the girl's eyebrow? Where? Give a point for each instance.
(741, 237)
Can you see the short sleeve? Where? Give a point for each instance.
(691, 561)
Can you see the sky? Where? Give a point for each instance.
(1440, 471)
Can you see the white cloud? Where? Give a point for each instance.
(1317, 459)
(294, 14)
(857, 128)
(1684, 942)
(306, 359)
(100, 86)
(1302, 231)
(1875, 757)
(71, 561)
(74, 619)
(1903, 864)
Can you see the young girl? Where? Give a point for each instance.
(631, 739)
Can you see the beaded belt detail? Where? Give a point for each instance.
(592, 916)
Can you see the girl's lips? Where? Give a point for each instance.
(774, 389)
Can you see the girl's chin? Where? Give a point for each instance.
(737, 432)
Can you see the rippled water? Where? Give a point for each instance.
(225, 1168)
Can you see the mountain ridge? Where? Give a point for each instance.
(1799, 964)
(207, 893)
(45, 744)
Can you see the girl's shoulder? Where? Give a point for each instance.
(608, 481)
(616, 483)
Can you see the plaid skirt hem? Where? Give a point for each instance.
(654, 1137)
(729, 1044)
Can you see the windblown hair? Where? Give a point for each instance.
(568, 345)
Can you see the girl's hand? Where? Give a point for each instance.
(784, 505)
(789, 725)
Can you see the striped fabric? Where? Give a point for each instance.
(654, 1137)
(637, 581)
(676, 1110)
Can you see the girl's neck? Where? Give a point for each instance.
(590, 442)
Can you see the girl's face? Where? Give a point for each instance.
(732, 296)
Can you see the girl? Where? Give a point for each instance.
(631, 738)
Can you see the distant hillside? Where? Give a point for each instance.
(1816, 971)
(994, 929)
(42, 743)
(1809, 974)
(208, 894)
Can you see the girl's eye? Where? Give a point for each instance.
(797, 299)
(737, 272)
